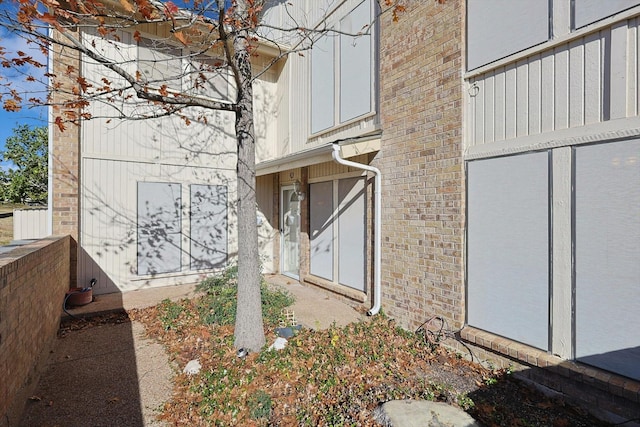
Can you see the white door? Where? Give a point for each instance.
(290, 232)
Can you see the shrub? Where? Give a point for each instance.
(218, 305)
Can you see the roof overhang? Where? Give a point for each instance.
(320, 154)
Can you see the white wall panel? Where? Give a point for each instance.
(267, 224)
(632, 68)
(547, 92)
(522, 98)
(588, 11)
(489, 107)
(584, 81)
(499, 125)
(576, 83)
(352, 231)
(593, 76)
(607, 254)
(109, 220)
(508, 247)
(509, 103)
(561, 93)
(208, 218)
(321, 234)
(503, 20)
(355, 63)
(29, 224)
(159, 228)
(534, 94)
(322, 84)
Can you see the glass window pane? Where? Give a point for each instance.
(508, 247)
(208, 226)
(159, 227)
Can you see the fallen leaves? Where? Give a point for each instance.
(337, 376)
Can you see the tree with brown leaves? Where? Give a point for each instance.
(217, 39)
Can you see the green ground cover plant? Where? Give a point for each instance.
(333, 377)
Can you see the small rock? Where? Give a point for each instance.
(278, 344)
(192, 368)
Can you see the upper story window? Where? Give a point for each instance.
(499, 28)
(342, 71)
(181, 71)
(209, 77)
(160, 64)
(589, 11)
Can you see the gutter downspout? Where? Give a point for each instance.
(377, 297)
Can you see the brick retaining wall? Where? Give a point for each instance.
(33, 282)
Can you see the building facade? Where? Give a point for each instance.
(509, 195)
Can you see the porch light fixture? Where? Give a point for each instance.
(296, 189)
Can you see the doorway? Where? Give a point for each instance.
(290, 232)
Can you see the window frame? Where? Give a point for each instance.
(337, 121)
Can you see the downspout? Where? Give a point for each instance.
(377, 199)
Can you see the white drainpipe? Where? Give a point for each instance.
(377, 297)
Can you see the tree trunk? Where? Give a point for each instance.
(249, 330)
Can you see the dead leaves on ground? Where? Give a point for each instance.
(339, 375)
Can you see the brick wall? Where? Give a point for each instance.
(33, 282)
(65, 155)
(421, 61)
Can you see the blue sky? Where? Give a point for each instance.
(31, 116)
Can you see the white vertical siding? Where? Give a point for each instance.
(547, 92)
(499, 101)
(29, 224)
(267, 223)
(576, 83)
(534, 91)
(509, 103)
(560, 79)
(116, 155)
(593, 78)
(588, 80)
(489, 107)
(300, 96)
(632, 67)
(522, 98)
(108, 238)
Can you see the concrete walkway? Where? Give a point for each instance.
(106, 375)
(112, 375)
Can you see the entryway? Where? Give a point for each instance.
(290, 232)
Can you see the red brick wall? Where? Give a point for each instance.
(421, 62)
(33, 282)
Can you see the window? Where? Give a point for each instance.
(208, 226)
(322, 85)
(607, 254)
(209, 77)
(321, 219)
(160, 64)
(355, 64)
(589, 11)
(159, 228)
(494, 28)
(342, 70)
(338, 231)
(508, 247)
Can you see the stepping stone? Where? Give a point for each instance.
(422, 413)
